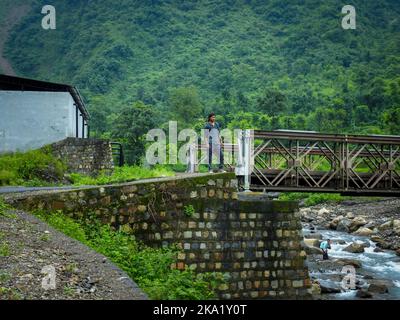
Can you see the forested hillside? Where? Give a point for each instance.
(261, 64)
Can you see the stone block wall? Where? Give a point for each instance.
(85, 156)
(256, 242)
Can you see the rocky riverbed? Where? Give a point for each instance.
(365, 235)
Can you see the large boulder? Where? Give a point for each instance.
(344, 225)
(363, 294)
(349, 262)
(313, 236)
(364, 232)
(334, 223)
(380, 242)
(378, 286)
(350, 215)
(312, 250)
(355, 248)
(323, 211)
(315, 288)
(356, 223)
(311, 242)
(396, 223)
(329, 287)
(386, 226)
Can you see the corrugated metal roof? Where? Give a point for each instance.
(24, 84)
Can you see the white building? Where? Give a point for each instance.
(35, 113)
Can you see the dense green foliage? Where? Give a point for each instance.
(122, 174)
(149, 267)
(32, 168)
(312, 199)
(260, 64)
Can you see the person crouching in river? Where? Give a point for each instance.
(324, 246)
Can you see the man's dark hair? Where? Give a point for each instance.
(212, 114)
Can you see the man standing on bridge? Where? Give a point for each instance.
(214, 142)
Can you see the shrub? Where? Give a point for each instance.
(122, 174)
(149, 267)
(35, 167)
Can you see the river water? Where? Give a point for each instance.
(378, 265)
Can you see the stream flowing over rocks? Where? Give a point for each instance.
(365, 239)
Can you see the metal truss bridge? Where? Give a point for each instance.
(302, 161)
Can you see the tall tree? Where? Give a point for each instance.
(131, 126)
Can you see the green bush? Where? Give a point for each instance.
(36, 167)
(312, 199)
(122, 174)
(150, 268)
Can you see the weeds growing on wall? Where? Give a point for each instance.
(150, 268)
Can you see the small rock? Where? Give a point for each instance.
(352, 262)
(396, 223)
(378, 249)
(315, 288)
(350, 215)
(339, 241)
(323, 211)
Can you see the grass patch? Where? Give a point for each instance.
(4, 277)
(122, 174)
(150, 268)
(4, 249)
(3, 207)
(9, 294)
(32, 168)
(312, 199)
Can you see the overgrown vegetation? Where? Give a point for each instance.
(312, 199)
(150, 268)
(258, 64)
(122, 174)
(31, 168)
(189, 210)
(3, 207)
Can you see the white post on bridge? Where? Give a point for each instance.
(245, 160)
(192, 159)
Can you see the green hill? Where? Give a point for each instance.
(267, 64)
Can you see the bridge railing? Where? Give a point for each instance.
(309, 161)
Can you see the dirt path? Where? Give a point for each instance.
(14, 16)
(27, 245)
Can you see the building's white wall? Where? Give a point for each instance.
(29, 120)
